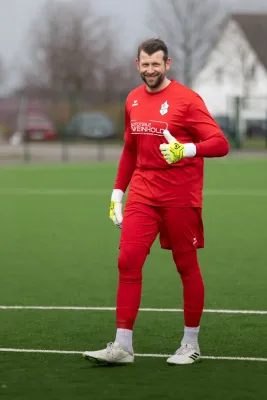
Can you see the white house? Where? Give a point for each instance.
(237, 66)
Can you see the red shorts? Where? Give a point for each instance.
(179, 229)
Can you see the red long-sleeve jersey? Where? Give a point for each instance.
(153, 181)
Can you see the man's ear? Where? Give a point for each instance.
(137, 64)
(168, 64)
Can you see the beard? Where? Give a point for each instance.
(153, 81)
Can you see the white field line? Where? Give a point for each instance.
(70, 352)
(102, 192)
(173, 310)
(52, 192)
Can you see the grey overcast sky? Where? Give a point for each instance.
(16, 15)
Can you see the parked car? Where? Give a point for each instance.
(228, 128)
(92, 125)
(38, 127)
(256, 128)
(224, 123)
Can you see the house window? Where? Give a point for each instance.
(219, 75)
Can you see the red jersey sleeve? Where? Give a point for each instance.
(211, 141)
(127, 161)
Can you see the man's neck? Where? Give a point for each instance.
(162, 86)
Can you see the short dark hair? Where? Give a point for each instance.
(151, 46)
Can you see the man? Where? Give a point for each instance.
(168, 132)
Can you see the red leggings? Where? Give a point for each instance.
(130, 263)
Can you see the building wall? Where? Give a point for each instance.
(228, 72)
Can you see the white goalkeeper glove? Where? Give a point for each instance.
(175, 151)
(115, 210)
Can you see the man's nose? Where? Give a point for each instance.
(150, 69)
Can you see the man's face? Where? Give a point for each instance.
(153, 68)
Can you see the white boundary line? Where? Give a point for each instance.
(69, 352)
(70, 308)
(100, 192)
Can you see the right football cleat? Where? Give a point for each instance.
(188, 353)
(112, 354)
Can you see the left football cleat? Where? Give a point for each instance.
(112, 354)
(188, 353)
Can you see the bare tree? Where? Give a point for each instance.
(2, 71)
(74, 50)
(232, 60)
(248, 70)
(118, 70)
(67, 39)
(189, 27)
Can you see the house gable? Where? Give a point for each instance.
(233, 68)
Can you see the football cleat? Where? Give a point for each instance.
(112, 354)
(188, 353)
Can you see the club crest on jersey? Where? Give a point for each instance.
(164, 108)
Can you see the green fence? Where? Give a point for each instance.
(245, 125)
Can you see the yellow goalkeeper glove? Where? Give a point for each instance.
(173, 151)
(115, 208)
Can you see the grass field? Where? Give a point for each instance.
(59, 250)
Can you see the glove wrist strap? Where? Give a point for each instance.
(117, 195)
(190, 150)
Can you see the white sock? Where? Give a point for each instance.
(125, 338)
(190, 335)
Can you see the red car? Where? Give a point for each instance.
(38, 127)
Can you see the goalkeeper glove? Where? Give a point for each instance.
(175, 151)
(115, 210)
